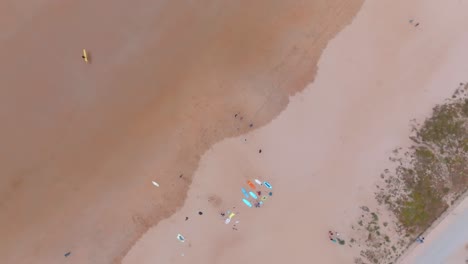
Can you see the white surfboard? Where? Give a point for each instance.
(181, 238)
(155, 183)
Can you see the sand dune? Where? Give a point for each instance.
(81, 143)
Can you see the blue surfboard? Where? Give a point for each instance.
(247, 202)
(253, 195)
(267, 184)
(246, 194)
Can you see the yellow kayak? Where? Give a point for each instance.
(85, 56)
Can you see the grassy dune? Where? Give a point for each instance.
(428, 177)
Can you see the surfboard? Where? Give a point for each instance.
(267, 184)
(247, 202)
(181, 238)
(85, 56)
(246, 194)
(251, 185)
(258, 182)
(253, 195)
(155, 183)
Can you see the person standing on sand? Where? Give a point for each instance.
(331, 236)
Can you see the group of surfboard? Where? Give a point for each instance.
(252, 194)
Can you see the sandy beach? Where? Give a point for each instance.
(82, 143)
(311, 96)
(324, 152)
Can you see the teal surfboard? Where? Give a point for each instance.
(253, 195)
(247, 202)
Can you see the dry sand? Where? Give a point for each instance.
(80, 143)
(325, 151)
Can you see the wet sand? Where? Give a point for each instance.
(81, 143)
(324, 153)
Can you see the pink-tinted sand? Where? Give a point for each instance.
(324, 153)
(81, 143)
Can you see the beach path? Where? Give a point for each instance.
(447, 243)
